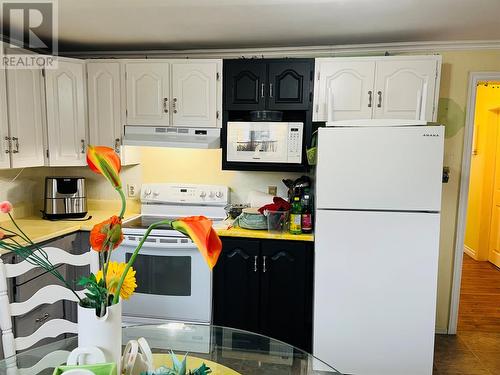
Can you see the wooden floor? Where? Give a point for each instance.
(479, 308)
(475, 349)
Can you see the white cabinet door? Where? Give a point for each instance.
(194, 94)
(147, 87)
(344, 90)
(66, 117)
(26, 116)
(104, 104)
(4, 126)
(405, 89)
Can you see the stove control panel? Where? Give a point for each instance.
(216, 195)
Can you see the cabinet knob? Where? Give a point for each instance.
(174, 105)
(16, 143)
(370, 98)
(165, 105)
(264, 266)
(270, 90)
(83, 146)
(262, 88)
(379, 93)
(255, 258)
(117, 145)
(8, 146)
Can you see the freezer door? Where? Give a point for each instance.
(380, 168)
(375, 291)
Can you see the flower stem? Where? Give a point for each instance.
(23, 235)
(124, 202)
(134, 255)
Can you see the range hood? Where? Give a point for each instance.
(168, 136)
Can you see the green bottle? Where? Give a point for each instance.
(296, 216)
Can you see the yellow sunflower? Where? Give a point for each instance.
(115, 272)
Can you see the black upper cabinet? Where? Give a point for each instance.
(245, 85)
(289, 85)
(282, 84)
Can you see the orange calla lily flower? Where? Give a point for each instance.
(106, 234)
(200, 230)
(104, 160)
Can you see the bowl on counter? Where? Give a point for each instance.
(235, 210)
(251, 218)
(277, 221)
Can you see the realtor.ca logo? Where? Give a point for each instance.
(29, 32)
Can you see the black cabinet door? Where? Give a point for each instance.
(290, 85)
(244, 85)
(287, 291)
(236, 285)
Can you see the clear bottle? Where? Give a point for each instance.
(296, 216)
(306, 217)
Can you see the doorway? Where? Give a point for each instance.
(476, 279)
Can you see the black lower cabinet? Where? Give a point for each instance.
(266, 286)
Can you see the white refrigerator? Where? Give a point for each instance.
(378, 198)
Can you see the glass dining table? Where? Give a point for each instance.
(226, 351)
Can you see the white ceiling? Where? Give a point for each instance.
(91, 25)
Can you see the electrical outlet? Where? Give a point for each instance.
(272, 190)
(131, 190)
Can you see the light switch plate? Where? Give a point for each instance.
(272, 190)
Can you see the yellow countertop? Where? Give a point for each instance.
(39, 230)
(264, 234)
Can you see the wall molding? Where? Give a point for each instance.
(470, 252)
(305, 51)
(474, 78)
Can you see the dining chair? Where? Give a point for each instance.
(47, 295)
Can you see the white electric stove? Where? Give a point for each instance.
(173, 281)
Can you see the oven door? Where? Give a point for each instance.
(173, 280)
(265, 142)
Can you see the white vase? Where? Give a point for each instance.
(104, 332)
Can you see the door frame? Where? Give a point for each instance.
(474, 79)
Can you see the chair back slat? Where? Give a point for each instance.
(51, 329)
(48, 294)
(56, 256)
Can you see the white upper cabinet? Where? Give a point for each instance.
(405, 89)
(344, 90)
(66, 113)
(195, 96)
(396, 87)
(26, 103)
(147, 90)
(4, 126)
(104, 104)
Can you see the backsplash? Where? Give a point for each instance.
(204, 167)
(158, 165)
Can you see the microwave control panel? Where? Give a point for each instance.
(295, 132)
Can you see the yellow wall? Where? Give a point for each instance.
(482, 171)
(161, 165)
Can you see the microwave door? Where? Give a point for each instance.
(257, 142)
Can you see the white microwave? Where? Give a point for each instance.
(264, 142)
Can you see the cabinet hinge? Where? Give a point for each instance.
(218, 76)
